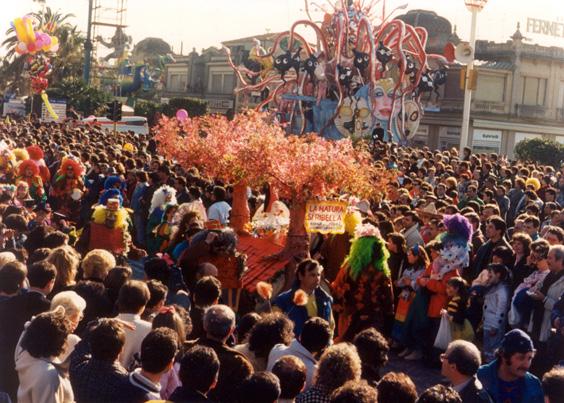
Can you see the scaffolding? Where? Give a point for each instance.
(106, 21)
(107, 17)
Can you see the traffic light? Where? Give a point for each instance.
(468, 79)
(114, 111)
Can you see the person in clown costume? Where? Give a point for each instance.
(363, 287)
(36, 154)
(451, 257)
(7, 163)
(163, 197)
(68, 188)
(108, 229)
(28, 172)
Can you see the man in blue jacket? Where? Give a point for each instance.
(507, 378)
(318, 302)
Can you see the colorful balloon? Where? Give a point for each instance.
(182, 115)
(21, 48)
(34, 40)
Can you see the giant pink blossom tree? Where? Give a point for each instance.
(251, 150)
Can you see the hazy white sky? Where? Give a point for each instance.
(203, 23)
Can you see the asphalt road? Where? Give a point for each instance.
(422, 375)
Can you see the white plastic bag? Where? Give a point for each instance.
(444, 336)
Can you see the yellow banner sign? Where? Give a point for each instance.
(326, 217)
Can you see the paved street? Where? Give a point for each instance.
(421, 375)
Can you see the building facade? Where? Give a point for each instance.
(519, 93)
(207, 75)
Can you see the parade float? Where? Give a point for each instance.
(361, 74)
(364, 74)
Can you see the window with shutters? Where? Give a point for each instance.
(490, 88)
(534, 91)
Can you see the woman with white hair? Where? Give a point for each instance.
(74, 306)
(163, 197)
(6, 257)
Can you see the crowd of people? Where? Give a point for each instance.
(121, 281)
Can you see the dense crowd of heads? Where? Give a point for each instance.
(120, 280)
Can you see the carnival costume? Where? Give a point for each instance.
(115, 182)
(7, 163)
(68, 189)
(363, 288)
(109, 228)
(455, 246)
(28, 172)
(36, 154)
(163, 196)
(454, 258)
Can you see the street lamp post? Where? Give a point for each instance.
(88, 46)
(475, 6)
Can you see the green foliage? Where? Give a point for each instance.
(148, 109)
(540, 150)
(194, 107)
(84, 99)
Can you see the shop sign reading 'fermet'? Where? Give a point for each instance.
(549, 28)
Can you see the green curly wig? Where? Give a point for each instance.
(368, 250)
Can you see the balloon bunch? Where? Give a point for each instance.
(36, 44)
(30, 40)
(362, 73)
(39, 67)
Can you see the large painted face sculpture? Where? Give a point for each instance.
(383, 99)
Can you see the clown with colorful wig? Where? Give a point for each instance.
(455, 246)
(363, 288)
(108, 229)
(68, 187)
(450, 257)
(36, 154)
(28, 172)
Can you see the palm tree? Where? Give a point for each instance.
(68, 60)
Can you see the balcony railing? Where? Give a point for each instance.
(530, 111)
(488, 107)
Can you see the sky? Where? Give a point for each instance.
(203, 23)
